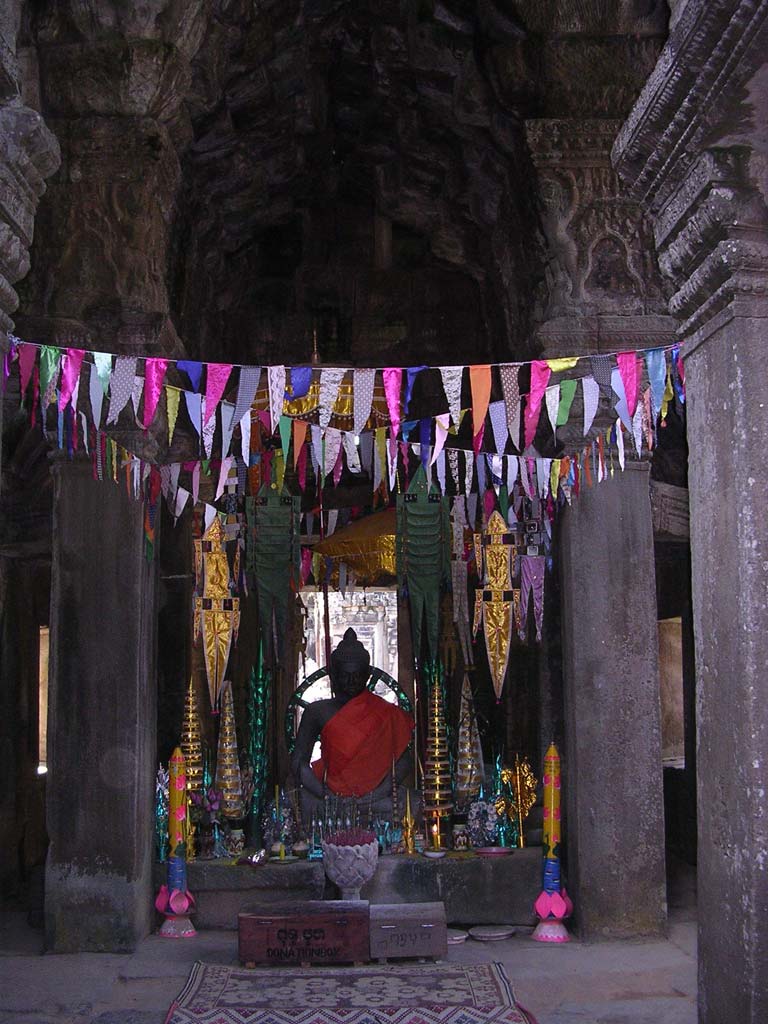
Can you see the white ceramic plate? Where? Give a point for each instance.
(492, 932)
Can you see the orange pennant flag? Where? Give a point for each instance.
(299, 434)
(480, 385)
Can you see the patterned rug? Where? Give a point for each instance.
(391, 994)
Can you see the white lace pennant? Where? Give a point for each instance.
(332, 446)
(330, 381)
(552, 397)
(276, 379)
(451, 376)
(509, 374)
(351, 451)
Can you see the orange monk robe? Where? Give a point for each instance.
(360, 743)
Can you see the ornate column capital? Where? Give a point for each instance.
(688, 152)
(602, 277)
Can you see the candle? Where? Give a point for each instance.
(436, 835)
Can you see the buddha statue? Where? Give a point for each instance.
(363, 738)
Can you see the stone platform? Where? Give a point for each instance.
(475, 890)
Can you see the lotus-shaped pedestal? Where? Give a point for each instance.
(350, 866)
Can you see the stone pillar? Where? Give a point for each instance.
(614, 829)
(604, 294)
(692, 152)
(103, 707)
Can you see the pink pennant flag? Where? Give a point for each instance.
(540, 372)
(393, 380)
(70, 375)
(628, 365)
(215, 382)
(480, 385)
(154, 374)
(27, 355)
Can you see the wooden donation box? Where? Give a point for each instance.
(338, 931)
(408, 929)
(311, 932)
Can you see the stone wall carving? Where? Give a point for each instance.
(601, 253)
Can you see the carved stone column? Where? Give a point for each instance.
(692, 152)
(103, 711)
(603, 294)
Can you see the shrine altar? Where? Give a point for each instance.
(474, 889)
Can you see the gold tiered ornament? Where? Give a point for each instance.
(228, 780)
(469, 752)
(191, 740)
(438, 792)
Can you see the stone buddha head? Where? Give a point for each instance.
(350, 666)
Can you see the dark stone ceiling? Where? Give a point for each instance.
(354, 167)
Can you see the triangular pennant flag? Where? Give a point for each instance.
(379, 456)
(591, 392)
(425, 436)
(228, 425)
(317, 446)
(410, 379)
(154, 373)
(209, 429)
(216, 379)
(284, 428)
(193, 370)
(552, 398)
(247, 387)
(172, 399)
(333, 518)
(629, 367)
(223, 474)
(567, 391)
(469, 466)
(393, 378)
(617, 383)
(70, 375)
(103, 364)
(392, 461)
(480, 470)
(498, 415)
(245, 437)
(299, 436)
(451, 377)
(441, 433)
(540, 373)
(195, 482)
(332, 446)
(182, 497)
(637, 428)
(472, 510)
(441, 468)
(510, 386)
(121, 386)
(301, 381)
(351, 451)
(175, 468)
(276, 381)
(620, 443)
(366, 452)
(362, 394)
(480, 385)
(564, 363)
(97, 397)
(209, 514)
(27, 356)
(50, 358)
(524, 479)
(194, 403)
(330, 382)
(512, 469)
(656, 362)
(601, 370)
(138, 388)
(338, 466)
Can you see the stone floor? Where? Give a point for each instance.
(605, 983)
